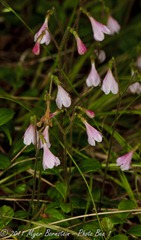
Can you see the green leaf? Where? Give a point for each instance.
(6, 115)
(6, 214)
(66, 207)
(107, 224)
(21, 188)
(4, 161)
(62, 189)
(116, 219)
(119, 237)
(21, 214)
(89, 165)
(126, 205)
(78, 202)
(54, 214)
(7, 132)
(135, 230)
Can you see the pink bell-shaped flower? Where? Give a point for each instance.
(81, 48)
(49, 159)
(36, 48)
(30, 135)
(135, 88)
(100, 55)
(89, 113)
(113, 25)
(43, 33)
(98, 29)
(63, 98)
(125, 161)
(109, 83)
(42, 36)
(93, 134)
(93, 78)
(45, 136)
(138, 62)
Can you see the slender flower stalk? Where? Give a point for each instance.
(98, 29)
(49, 159)
(113, 25)
(63, 98)
(93, 134)
(109, 84)
(125, 161)
(93, 78)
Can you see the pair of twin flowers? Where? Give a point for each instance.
(41, 137)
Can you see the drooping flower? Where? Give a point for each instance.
(81, 48)
(113, 25)
(63, 98)
(45, 137)
(93, 78)
(125, 161)
(42, 36)
(30, 135)
(93, 134)
(138, 62)
(43, 33)
(89, 113)
(135, 88)
(109, 83)
(36, 48)
(98, 29)
(100, 55)
(49, 159)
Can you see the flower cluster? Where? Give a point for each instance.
(40, 137)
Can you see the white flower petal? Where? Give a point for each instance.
(109, 84)
(46, 38)
(93, 78)
(98, 29)
(30, 135)
(135, 88)
(93, 134)
(45, 135)
(100, 55)
(63, 98)
(113, 25)
(125, 161)
(49, 159)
